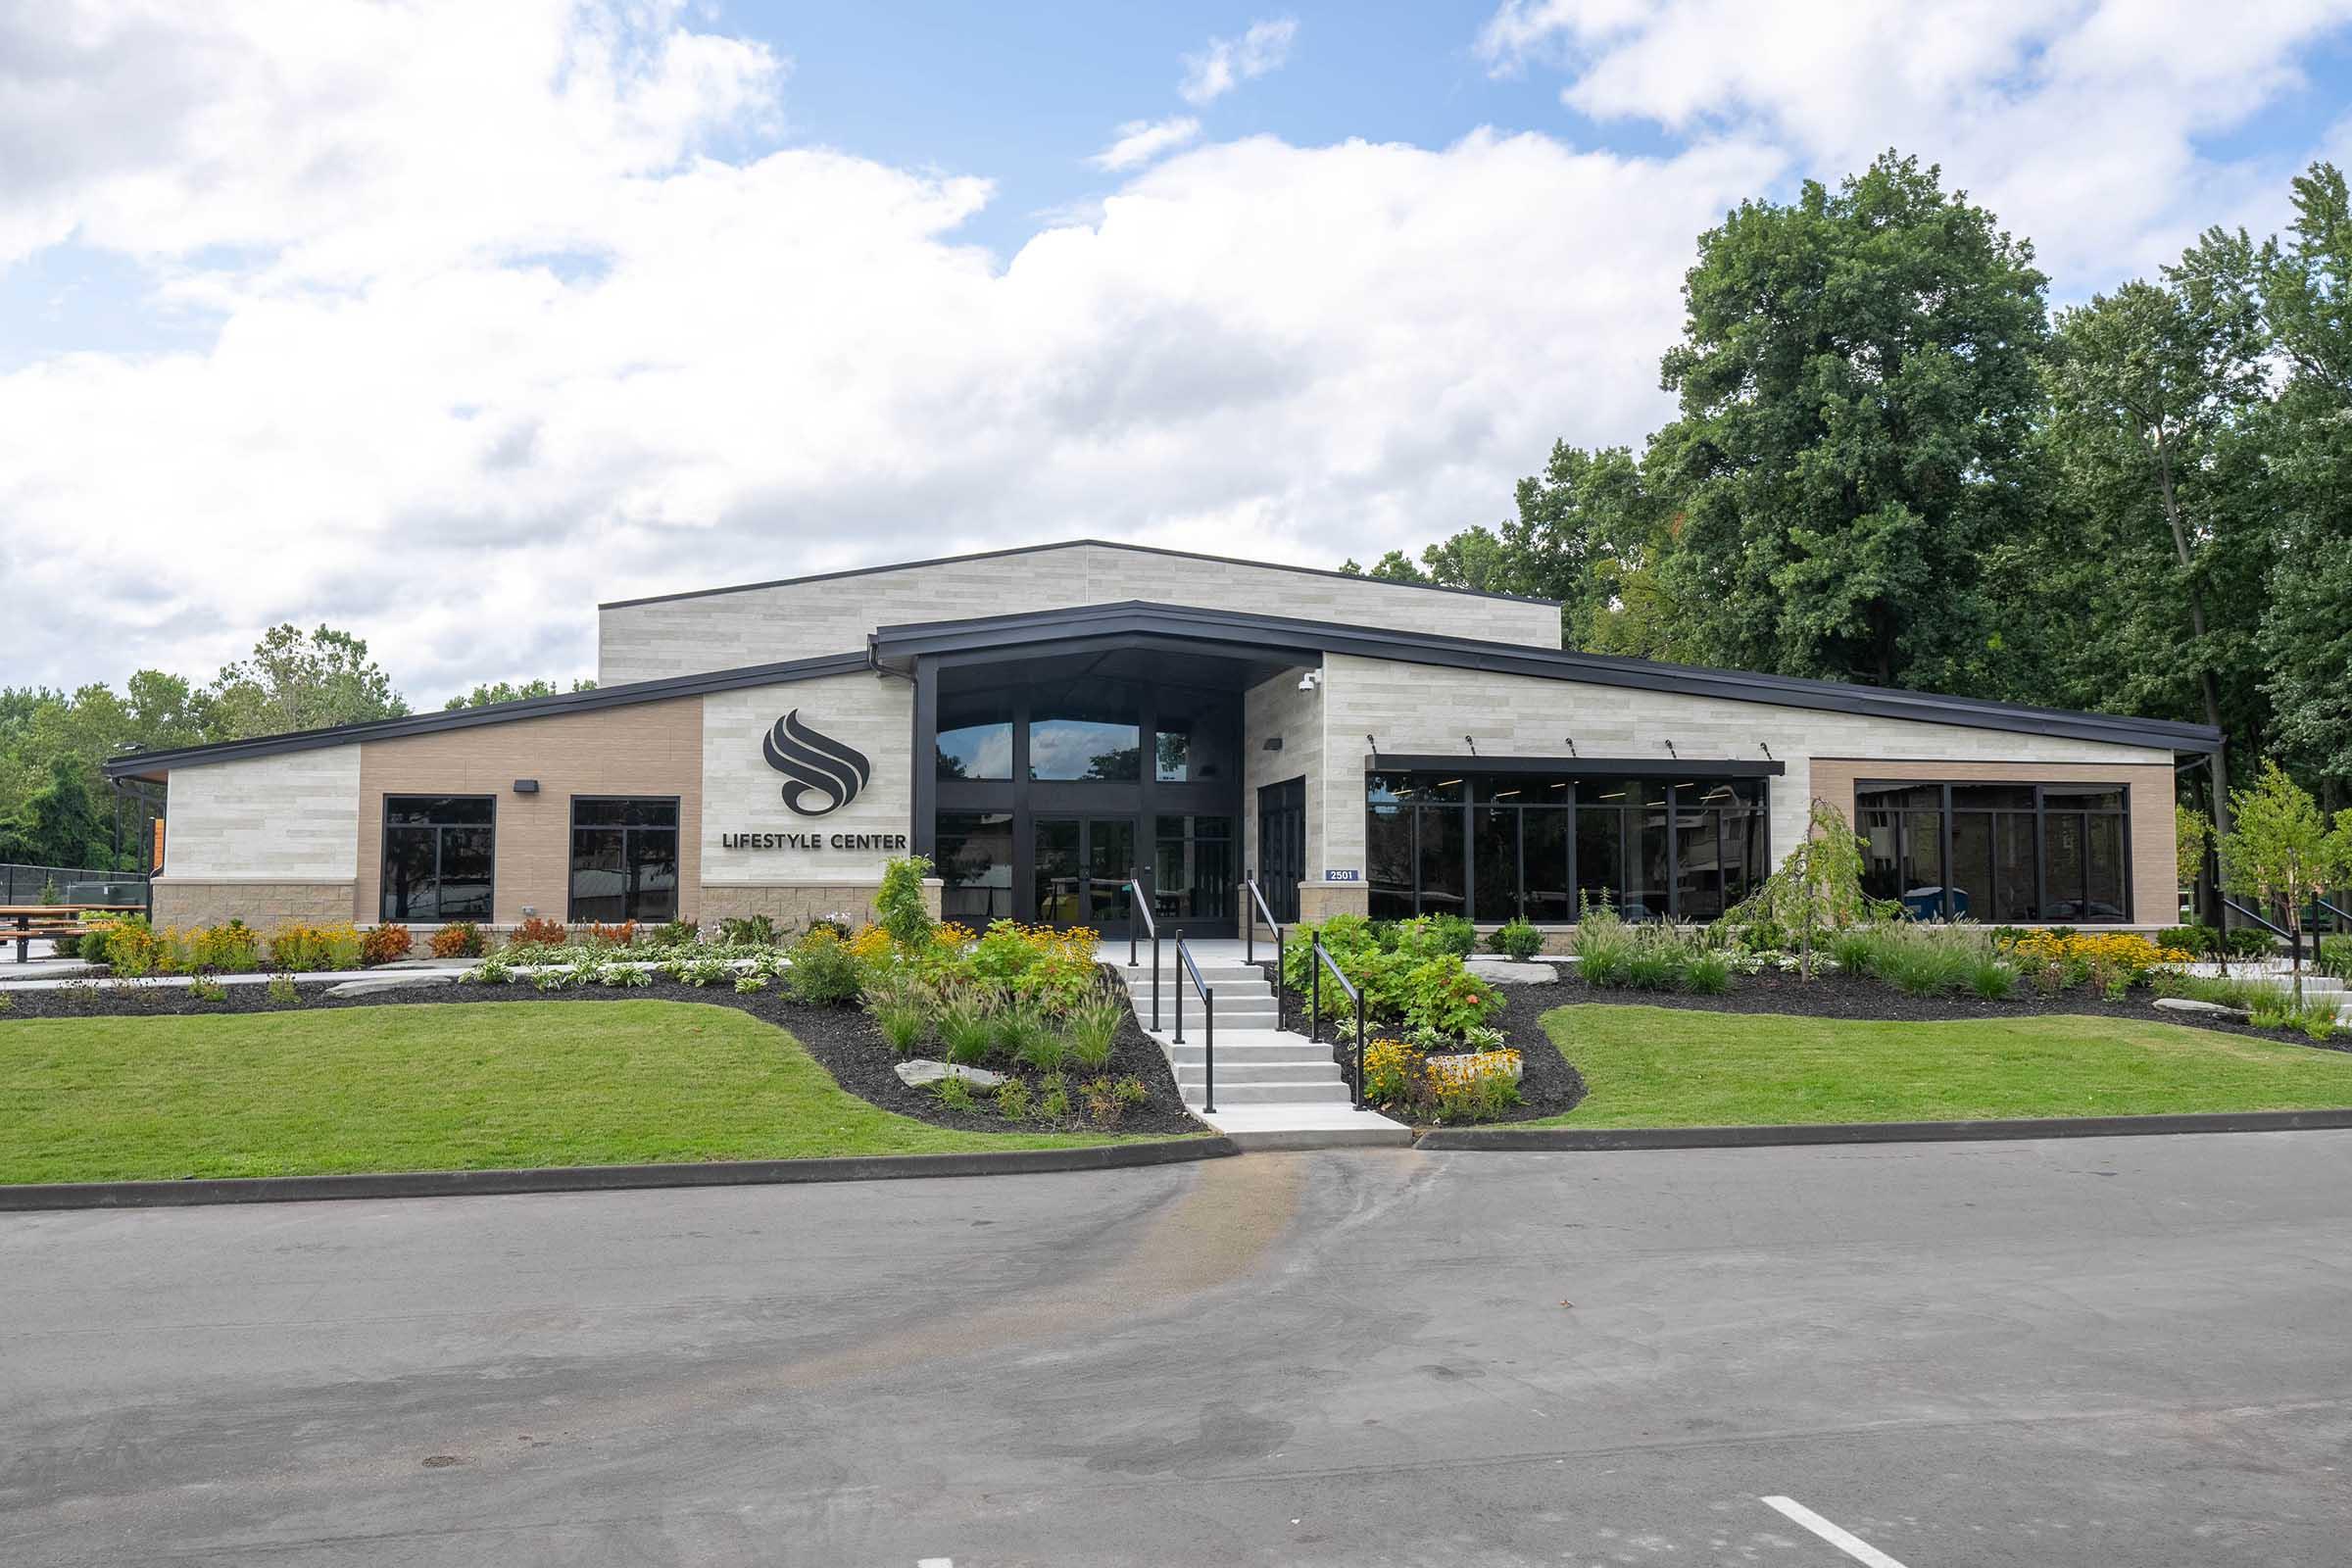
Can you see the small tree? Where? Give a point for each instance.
(2280, 848)
(1818, 887)
(900, 900)
(2192, 837)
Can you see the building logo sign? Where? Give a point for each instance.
(816, 766)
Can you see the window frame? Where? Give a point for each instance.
(572, 827)
(383, 852)
(2040, 814)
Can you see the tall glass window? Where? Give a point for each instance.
(975, 736)
(625, 858)
(975, 867)
(1192, 866)
(2005, 852)
(1094, 734)
(1495, 846)
(438, 853)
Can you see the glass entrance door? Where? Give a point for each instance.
(1081, 867)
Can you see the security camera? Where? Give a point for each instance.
(1311, 680)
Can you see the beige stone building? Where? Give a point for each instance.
(1060, 726)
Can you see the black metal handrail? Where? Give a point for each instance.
(1314, 1007)
(1208, 1009)
(1140, 906)
(1250, 939)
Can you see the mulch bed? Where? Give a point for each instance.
(842, 1039)
(1548, 1084)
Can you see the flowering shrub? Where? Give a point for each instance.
(612, 936)
(460, 939)
(231, 948)
(2108, 961)
(298, 946)
(1470, 1067)
(538, 931)
(1475, 1086)
(381, 943)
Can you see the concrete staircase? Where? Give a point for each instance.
(1275, 1088)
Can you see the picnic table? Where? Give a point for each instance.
(45, 922)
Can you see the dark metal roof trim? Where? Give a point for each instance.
(1659, 767)
(1067, 543)
(557, 706)
(1275, 632)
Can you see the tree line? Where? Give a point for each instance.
(55, 805)
(1892, 464)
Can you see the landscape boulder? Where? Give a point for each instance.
(922, 1072)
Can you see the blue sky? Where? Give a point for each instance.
(442, 321)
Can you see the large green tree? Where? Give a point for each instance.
(1857, 386)
(293, 682)
(2154, 390)
(486, 693)
(2307, 626)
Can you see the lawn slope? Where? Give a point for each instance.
(457, 1085)
(1678, 1067)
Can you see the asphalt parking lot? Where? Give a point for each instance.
(2096, 1351)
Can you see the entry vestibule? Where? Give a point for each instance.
(1055, 779)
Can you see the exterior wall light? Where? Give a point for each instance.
(527, 786)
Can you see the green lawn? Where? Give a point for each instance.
(444, 1086)
(1680, 1068)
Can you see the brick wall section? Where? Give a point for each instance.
(763, 626)
(2155, 891)
(1416, 708)
(645, 749)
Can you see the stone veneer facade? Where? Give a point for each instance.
(739, 627)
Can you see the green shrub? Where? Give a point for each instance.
(676, 934)
(1013, 1100)
(1130, 1090)
(1054, 1104)
(7, 1004)
(1103, 1107)
(1988, 977)
(550, 979)
(1452, 933)
(1604, 947)
(900, 1008)
(2192, 940)
(750, 931)
(2335, 956)
(1040, 1047)
(955, 1093)
(1094, 1029)
(823, 972)
(1654, 966)
(1517, 940)
(965, 1030)
(2316, 1019)
(900, 900)
(204, 988)
(2252, 942)
(748, 985)
(1856, 950)
(1709, 975)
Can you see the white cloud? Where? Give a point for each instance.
(1227, 63)
(1140, 141)
(2077, 120)
(521, 309)
(453, 423)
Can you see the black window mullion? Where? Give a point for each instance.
(1944, 874)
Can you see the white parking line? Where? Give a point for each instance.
(1844, 1541)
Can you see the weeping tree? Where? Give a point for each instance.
(1818, 887)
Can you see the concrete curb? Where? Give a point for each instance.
(1876, 1132)
(605, 1178)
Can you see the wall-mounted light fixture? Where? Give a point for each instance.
(1273, 743)
(1671, 752)
(527, 786)
(1570, 742)
(1472, 744)
(1768, 756)
(1375, 745)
